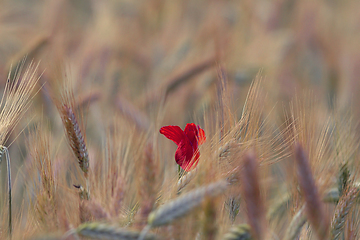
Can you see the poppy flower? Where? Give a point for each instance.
(188, 141)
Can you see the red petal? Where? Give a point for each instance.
(184, 154)
(191, 131)
(194, 161)
(174, 133)
(202, 137)
(195, 134)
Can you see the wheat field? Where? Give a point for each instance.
(202, 119)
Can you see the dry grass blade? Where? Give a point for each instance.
(251, 195)
(184, 204)
(147, 184)
(104, 231)
(239, 232)
(297, 222)
(118, 197)
(46, 201)
(314, 206)
(250, 122)
(341, 211)
(222, 100)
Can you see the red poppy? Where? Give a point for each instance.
(188, 141)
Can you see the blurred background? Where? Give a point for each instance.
(137, 48)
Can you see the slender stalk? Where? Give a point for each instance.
(9, 186)
(3, 150)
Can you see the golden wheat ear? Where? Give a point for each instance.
(15, 99)
(184, 204)
(242, 231)
(13, 104)
(97, 230)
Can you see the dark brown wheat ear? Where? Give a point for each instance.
(75, 137)
(74, 126)
(251, 192)
(314, 206)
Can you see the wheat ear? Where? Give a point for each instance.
(296, 224)
(239, 232)
(76, 139)
(14, 101)
(105, 231)
(314, 206)
(185, 179)
(341, 211)
(46, 237)
(184, 204)
(343, 180)
(332, 196)
(251, 194)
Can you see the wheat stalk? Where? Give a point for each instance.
(3, 150)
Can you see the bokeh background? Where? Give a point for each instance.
(133, 48)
